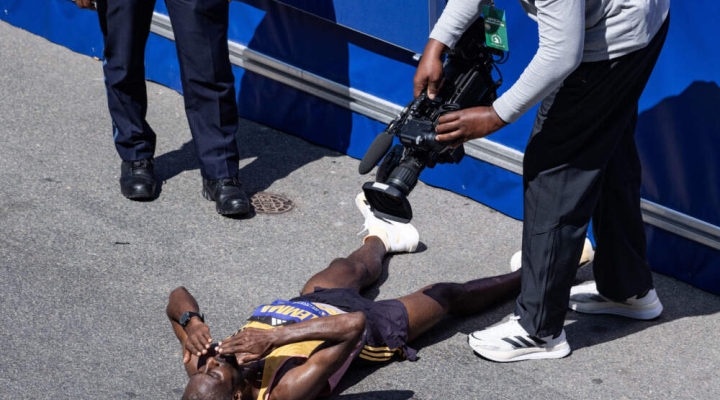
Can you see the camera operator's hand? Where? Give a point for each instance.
(88, 4)
(458, 127)
(429, 73)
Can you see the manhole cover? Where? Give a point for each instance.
(268, 203)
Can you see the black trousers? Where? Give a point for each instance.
(581, 163)
(200, 29)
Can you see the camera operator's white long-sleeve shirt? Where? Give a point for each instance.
(570, 32)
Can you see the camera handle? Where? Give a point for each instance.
(442, 110)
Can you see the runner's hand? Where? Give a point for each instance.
(198, 340)
(250, 344)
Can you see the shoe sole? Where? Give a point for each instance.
(534, 353)
(138, 195)
(648, 312)
(242, 210)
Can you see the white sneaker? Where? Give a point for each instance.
(586, 299)
(516, 261)
(588, 255)
(509, 342)
(398, 238)
(363, 205)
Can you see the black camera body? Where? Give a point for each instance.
(468, 83)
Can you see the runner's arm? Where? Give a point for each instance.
(252, 344)
(561, 34)
(309, 379)
(341, 334)
(195, 338)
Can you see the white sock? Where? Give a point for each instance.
(380, 234)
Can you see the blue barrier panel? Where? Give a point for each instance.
(58, 21)
(404, 23)
(678, 142)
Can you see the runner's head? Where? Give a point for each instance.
(216, 379)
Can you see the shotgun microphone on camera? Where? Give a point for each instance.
(377, 150)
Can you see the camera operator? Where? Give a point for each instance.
(581, 162)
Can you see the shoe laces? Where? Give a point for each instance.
(140, 164)
(369, 221)
(225, 182)
(511, 327)
(514, 323)
(365, 228)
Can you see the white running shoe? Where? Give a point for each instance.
(588, 255)
(398, 238)
(586, 299)
(516, 261)
(363, 205)
(508, 342)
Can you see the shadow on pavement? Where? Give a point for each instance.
(377, 395)
(273, 156)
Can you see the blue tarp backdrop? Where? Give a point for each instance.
(368, 46)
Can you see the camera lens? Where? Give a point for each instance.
(405, 176)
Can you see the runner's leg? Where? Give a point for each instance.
(431, 304)
(359, 270)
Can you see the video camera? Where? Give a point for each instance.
(468, 83)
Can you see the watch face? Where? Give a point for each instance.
(185, 319)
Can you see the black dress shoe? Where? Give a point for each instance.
(228, 196)
(137, 179)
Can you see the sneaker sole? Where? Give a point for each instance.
(533, 353)
(648, 312)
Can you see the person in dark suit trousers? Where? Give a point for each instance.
(200, 29)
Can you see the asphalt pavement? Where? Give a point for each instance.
(85, 273)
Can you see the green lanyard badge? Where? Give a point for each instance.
(495, 28)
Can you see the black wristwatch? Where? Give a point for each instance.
(185, 319)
